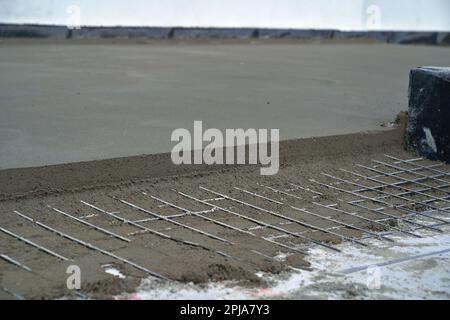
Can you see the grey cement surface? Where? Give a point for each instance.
(67, 102)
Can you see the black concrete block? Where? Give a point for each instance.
(121, 32)
(428, 131)
(381, 36)
(295, 34)
(414, 38)
(214, 33)
(32, 31)
(274, 33)
(443, 38)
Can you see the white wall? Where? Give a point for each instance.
(337, 14)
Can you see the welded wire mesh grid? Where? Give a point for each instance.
(378, 201)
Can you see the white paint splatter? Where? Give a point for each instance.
(113, 271)
(430, 139)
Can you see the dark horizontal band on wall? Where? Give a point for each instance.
(62, 32)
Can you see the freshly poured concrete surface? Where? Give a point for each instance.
(67, 102)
